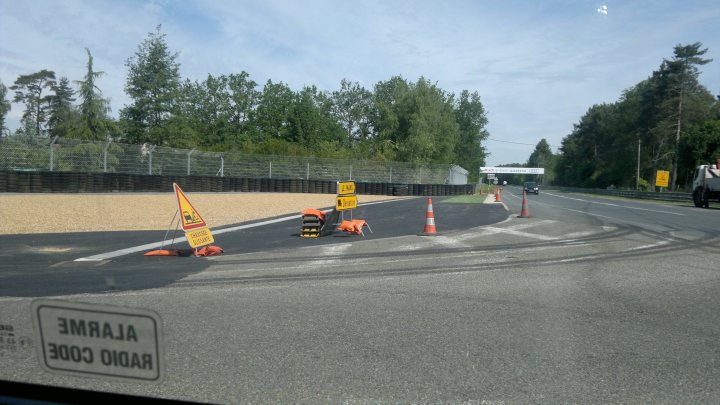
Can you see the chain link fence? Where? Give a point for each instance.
(68, 155)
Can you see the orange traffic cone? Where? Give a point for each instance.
(429, 221)
(525, 212)
(497, 195)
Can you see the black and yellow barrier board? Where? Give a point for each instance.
(311, 226)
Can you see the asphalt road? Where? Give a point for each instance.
(590, 300)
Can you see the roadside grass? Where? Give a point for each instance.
(466, 199)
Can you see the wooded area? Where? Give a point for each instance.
(667, 122)
(398, 120)
(670, 121)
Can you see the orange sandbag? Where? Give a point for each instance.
(162, 252)
(314, 212)
(209, 251)
(355, 226)
(358, 225)
(346, 226)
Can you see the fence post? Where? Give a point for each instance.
(390, 174)
(270, 177)
(307, 171)
(105, 153)
(150, 152)
(188, 160)
(350, 173)
(52, 154)
(222, 166)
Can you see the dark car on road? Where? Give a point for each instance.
(531, 187)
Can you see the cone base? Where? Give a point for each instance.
(524, 216)
(429, 234)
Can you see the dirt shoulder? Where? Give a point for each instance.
(51, 213)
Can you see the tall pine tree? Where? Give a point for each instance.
(153, 84)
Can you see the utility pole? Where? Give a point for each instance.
(637, 175)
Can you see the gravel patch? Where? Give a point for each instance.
(53, 213)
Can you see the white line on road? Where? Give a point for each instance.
(656, 244)
(615, 205)
(493, 230)
(154, 245)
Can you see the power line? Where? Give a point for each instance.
(519, 143)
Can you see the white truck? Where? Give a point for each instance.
(706, 185)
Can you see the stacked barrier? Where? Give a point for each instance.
(73, 182)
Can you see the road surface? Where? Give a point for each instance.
(591, 300)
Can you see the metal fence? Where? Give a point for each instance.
(645, 195)
(67, 155)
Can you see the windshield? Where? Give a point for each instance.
(338, 202)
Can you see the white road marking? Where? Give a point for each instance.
(155, 245)
(492, 229)
(615, 205)
(447, 241)
(656, 244)
(330, 250)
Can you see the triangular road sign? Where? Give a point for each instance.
(189, 217)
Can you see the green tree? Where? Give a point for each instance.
(602, 150)
(29, 91)
(543, 157)
(94, 121)
(153, 84)
(430, 130)
(244, 97)
(270, 120)
(310, 122)
(61, 111)
(471, 119)
(700, 145)
(415, 122)
(385, 116)
(682, 72)
(5, 107)
(352, 106)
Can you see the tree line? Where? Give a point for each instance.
(668, 121)
(396, 120)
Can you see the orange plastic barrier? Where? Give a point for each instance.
(162, 252)
(315, 212)
(354, 226)
(209, 251)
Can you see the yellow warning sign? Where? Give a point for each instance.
(189, 217)
(346, 187)
(199, 237)
(346, 202)
(662, 178)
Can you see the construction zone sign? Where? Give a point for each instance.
(195, 227)
(189, 217)
(199, 237)
(196, 230)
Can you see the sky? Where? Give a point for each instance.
(537, 65)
